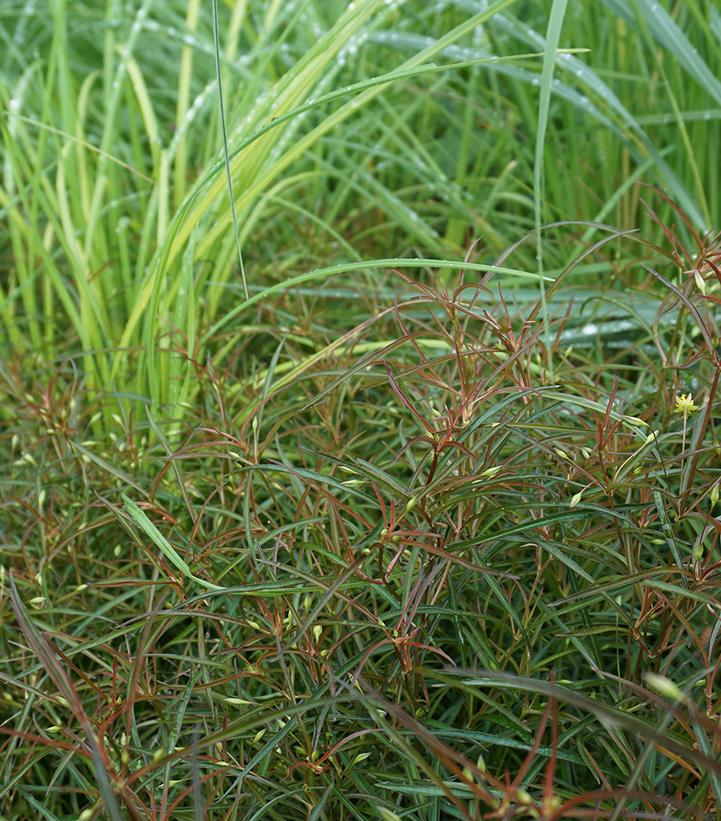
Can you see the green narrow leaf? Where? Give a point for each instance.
(226, 155)
(48, 657)
(150, 530)
(553, 35)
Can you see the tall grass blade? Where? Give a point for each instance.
(553, 36)
(226, 154)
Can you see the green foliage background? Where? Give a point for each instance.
(374, 495)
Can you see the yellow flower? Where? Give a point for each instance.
(685, 404)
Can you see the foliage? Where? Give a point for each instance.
(423, 523)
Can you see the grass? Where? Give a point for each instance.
(390, 491)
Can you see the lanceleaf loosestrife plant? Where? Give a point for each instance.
(415, 555)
